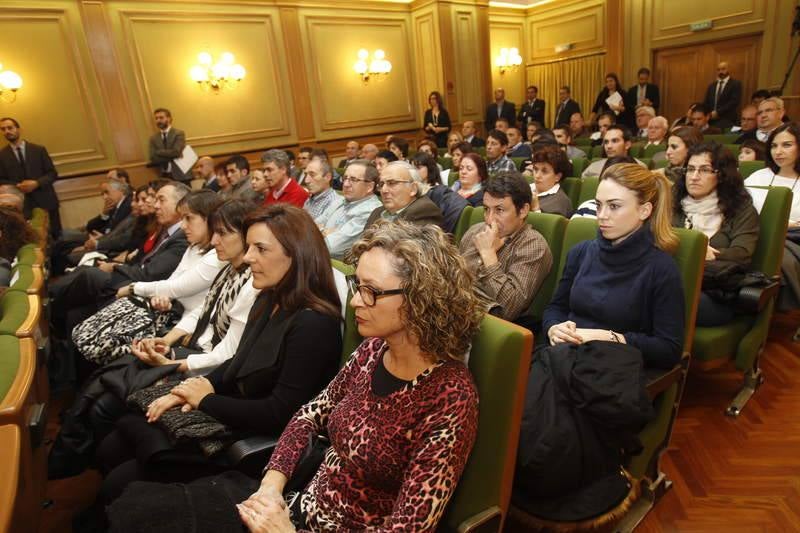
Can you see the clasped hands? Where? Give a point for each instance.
(188, 394)
(265, 511)
(27, 186)
(569, 332)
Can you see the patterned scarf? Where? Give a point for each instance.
(218, 302)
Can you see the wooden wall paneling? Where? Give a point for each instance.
(507, 31)
(425, 31)
(580, 22)
(297, 74)
(469, 75)
(670, 20)
(615, 34)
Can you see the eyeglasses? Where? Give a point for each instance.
(368, 294)
(353, 180)
(700, 170)
(767, 110)
(391, 183)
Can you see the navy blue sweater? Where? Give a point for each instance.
(633, 288)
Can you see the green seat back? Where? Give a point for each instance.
(690, 257)
(28, 255)
(661, 163)
(591, 152)
(464, 222)
(637, 149)
(499, 363)
(578, 165)
(773, 222)
(14, 310)
(733, 148)
(441, 151)
(572, 188)
(647, 161)
(588, 189)
(748, 167)
(582, 141)
(445, 162)
(481, 151)
(9, 363)
(25, 278)
(653, 149)
(721, 139)
(518, 161)
(350, 338)
(578, 230)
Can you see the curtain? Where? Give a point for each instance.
(584, 75)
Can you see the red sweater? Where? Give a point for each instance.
(395, 460)
(293, 194)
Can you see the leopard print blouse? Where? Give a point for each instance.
(394, 461)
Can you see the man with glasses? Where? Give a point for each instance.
(346, 224)
(401, 196)
(768, 117)
(616, 143)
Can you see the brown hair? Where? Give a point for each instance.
(554, 156)
(15, 232)
(309, 281)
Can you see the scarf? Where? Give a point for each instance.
(218, 302)
(703, 215)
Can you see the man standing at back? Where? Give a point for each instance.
(723, 97)
(500, 108)
(644, 93)
(533, 108)
(167, 144)
(566, 107)
(28, 166)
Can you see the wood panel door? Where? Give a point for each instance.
(683, 73)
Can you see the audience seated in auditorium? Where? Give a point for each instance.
(604, 121)
(644, 93)
(500, 108)
(347, 222)
(516, 146)
(752, 150)
(472, 175)
(399, 147)
(259, 185)
(748, 123)
(351, 150)
(612, 90)
(429, 147)
(657, 129)
(322, 154)
(104, 337)
(12, 197)
(531, 132)
(508, 258)
(644, 114)
(563, 135)
(469, 133)
(437, 120)
(124, 241)
(450, 203)
(282, 188)
(166, 145)
(681, 140)
(550, 166)
(237, 170)
(204, 170)
(711, 198)
(616, 142)
(369, 152)
(322, 201)
(303, 158)
(577, 126)
(402, 197)
(700, 117)
(453, 139)
(533, 109)
(769, 116)
(588, 208)
(723, 97)
(501, 124)
(496, 147)
(383, 158)
(15, 232)
(566, 106)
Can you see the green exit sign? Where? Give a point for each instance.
(700, 26)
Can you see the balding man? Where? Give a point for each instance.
(747, 123)
(657, 132)
(351, 153)
(401, 196)
(768, 117)
(500, 108)
(723, 97)
(204, 170)
(369, 152)
(469, 133)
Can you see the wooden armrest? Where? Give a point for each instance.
(483, 522)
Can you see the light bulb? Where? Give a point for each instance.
(198, 73)
(379, 54)
(204, 58)
(220, 71)
(10, 80)
(238, 72)
(360, 67)
(363, 54)
(227, 58)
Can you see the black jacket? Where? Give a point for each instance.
(650, 92)
(530, 112)
(105, 225)
(509, 113)
(39, 167)
(154, 267)
(565, 110)
(728, 102)
(451, 204)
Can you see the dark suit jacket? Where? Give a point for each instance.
(509, 113)
(650, 92)
(530, 112)
(105, 225)
(421, 211)
(565, 111)
(523, 150)
(729, 100)
(161, 155)
(747, 136)
(712, 130)
(39, 167)
(157, 266)
(212, 185)
(477, 142)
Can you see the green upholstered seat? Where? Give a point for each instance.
(29, 254)
(518, 161)
(9, 363)
(733, 148)
(743, 339)
(578, 166)
(661, 163)
(582, 141)
(647, 161)
(748, 167)
(481, 151)
(15, 311)
(653, 149)
(728, 138)
(464, 222)
(637, 149)
(24, 278)
(588, 189)
(441, 151)
(572, 188)
(350, 338)
(499, 362)
(445, 162)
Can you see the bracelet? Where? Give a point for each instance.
(614, 337)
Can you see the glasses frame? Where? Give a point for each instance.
(699, 171)
(372, 293)
(390, 183)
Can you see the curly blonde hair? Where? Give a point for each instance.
(440, 309)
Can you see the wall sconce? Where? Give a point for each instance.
(225, 73)
(509, 58)
(378, 68)
(10, 82)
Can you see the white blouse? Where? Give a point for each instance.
(765, 177)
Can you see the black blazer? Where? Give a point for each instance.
(729, 100)
(421, 211)
(443, 122)
(564, 111)
(509, 113)
(627, 117)
(161, 155)
(39, 167)
(477, 142)
(650, 92)
(157, 266)
(105, 225)
(530, 112)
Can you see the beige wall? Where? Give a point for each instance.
(507, 30)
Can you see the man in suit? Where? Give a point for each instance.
(468, 131)
(400, 188)
(748, 123)
(351, 153)
(533, 108)
(700, 118)
(500, 108)
(516, 148)
(566, 106)
(298, 174)
(28, 166)
(723, 98)
(768, 117)
(204, 170)
(644, 93)
(564, 138)
(644, 114)
(167, 144)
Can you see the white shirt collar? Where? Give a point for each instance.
(552, 190)
(173, 228)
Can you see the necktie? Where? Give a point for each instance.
(641, 94)
(720, 84)
(22, 162)
(164, 138)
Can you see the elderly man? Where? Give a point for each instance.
(399, 186)
(204, 170)
(282, 189)
(564, 139)
(516, 148)
(508, 258)
(768, 117)
(723, 97)
(657, 132)
(616, 143)
(496, 147)
(346, 224)
(323, 200)
(577, 126)
(369, 152)
(351, 153)
(469, 132)
(748, 123)
(644, 114)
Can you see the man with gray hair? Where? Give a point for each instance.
(369, 152)
(323, 200)
(282, 189)
(644, 113)
(768, 117)
(402, 198)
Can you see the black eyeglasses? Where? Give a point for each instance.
(368, 294)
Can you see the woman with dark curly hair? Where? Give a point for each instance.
(680, 141)
(550, 166)
(710, 197)
(14, 233)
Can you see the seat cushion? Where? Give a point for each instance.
(720, 342)
(9, 363)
